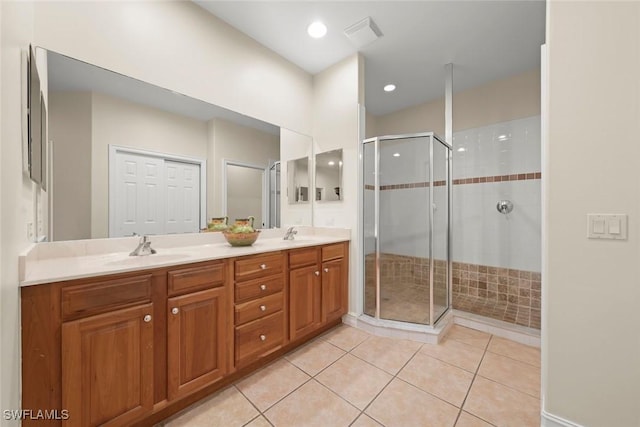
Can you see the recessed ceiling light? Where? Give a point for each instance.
(389, 88)
(317, 30)
(396, 154)
(461, 149)
(331, 163)
(502, 137)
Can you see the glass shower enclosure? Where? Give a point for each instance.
(407, 217)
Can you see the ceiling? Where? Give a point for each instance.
(485, 41)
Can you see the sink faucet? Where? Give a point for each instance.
(144, 248)
(289, 235)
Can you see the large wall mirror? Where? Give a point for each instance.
(328, 180)
(128, 156)
(298, 180)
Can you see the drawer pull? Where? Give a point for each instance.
(326, 270)
(317, 273)
(263, 266)
(263, 287)
(263, 307)
(147, 318)
(175, 310)
(263, 337)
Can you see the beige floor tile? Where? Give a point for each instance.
(438, 378)
(226, 408)
(515, 350)
(312, 405)
(267, 386)
(354, 380)
(469, 336)
(365, 421)
(386, 353)
(468, 420)
(346, 337)
(259, 422)
(316, 356)
(501, 405)
(457, 353)
(401, 404)
(512, 373)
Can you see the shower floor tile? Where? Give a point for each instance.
(491, 389)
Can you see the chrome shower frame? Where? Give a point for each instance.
(432, 137)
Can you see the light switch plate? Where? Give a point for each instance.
(607, 226)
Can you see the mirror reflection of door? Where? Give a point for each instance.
(152, 194)
(246, 193)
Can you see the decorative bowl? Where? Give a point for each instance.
(241, 239)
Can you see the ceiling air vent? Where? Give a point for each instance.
(363, 32)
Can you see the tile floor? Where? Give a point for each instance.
(348, 377)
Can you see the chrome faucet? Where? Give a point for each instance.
(144, 247)
(290, 234)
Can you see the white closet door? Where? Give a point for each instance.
(182, 206)
(139, 195)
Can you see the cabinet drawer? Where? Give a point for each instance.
(259, 337)
(258, 308)
(195, 278)
(332, 251)
(259, 266)
(258, 288)
(98, 297)
(303, 257)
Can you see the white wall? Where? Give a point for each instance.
(70, 129)
(17, 195)
(116, 121)
(179, 46)
(591, 291)
(337, 93)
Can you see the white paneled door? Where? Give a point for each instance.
(182, 205)
(153, 195)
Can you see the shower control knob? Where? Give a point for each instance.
(504, 206)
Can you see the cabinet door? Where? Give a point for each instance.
(334, 290)
(196, 340)
(107, 367)
(304, 301)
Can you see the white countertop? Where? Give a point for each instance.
(59, 261)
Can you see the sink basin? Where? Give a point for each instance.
(147, 259)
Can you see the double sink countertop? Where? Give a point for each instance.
(59, 261)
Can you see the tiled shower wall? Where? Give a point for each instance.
(496, 257)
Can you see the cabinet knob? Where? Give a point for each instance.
(263, 287)
(263, 266)
(317, 273)
(326, 270)
(263, 337)
(175, 310)
(263, 307)
(147, 318)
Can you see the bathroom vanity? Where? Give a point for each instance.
(141, 338)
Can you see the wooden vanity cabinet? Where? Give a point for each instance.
(198, 328)
(318, 291)
(260, 321)
(133, 348)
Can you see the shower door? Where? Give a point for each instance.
(406, 228)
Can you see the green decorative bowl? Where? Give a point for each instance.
(241, 239)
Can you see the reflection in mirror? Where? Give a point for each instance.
(328, 180)
(166, 170)
(298, 180)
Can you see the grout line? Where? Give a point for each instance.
(473, 379)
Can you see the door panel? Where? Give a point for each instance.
(304, 302)
(183, 197)
(107, 367)
(333, 299)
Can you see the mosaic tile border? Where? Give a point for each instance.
(461, 181)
